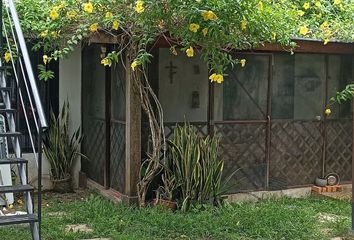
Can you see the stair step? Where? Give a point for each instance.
(6, 110)
(10, 134)
(5, 68)
(18, 219)
(6, 88)
(12, 161)
(15, 189)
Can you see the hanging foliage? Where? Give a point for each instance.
(210, 27)
(207, 28)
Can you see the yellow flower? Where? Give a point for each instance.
(93, 27)
(205, 31)
(115, 25)
(260, 6)
(209, 15)
(44, 34)
(88, 7)
(106, 62)
(54, 34)
(303, 30)
(328, 111)
(300, 13)
(190, 52)
(139, 7)
(173, 51)
(324, 25)
(306, 5)
(71, 14)
(326, 41)
(243, 62)
(109, 15)
(318, 4)
(337, 2)
(212, 77)
(7, 57)
(328, 33)
(274, 36)
(193, 27)
(244, 24)
(134, 65)
(219, 78)
(45, 59)
(54, 14)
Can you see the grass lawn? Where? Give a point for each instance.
(310, 218)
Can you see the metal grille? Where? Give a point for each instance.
(202, 128)
(243, 148)
(94, 147)
(296, 152)
(339, 148)
(117, 156)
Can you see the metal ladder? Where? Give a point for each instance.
(26, 89)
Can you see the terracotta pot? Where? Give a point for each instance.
(321, 182)
(62, 185)
(165, 203)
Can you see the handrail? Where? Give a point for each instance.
(27, 62)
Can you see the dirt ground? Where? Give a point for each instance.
(345, 194)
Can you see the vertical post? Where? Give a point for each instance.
(210, 119)
(1, 28)
(352, 230)
(132, 137)
(40, 135)
(107, 172)
(269, 122)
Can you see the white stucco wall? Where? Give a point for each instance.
(70, 89)
(33, 174)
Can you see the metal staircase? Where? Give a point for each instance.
(21, 72)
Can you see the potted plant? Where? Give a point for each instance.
(164, 194)
(61, 149)
(193, 170)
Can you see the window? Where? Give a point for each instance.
(243, 95)
(299, 85)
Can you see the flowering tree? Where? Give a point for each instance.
(213, 28)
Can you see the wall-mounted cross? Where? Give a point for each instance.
(171, 67)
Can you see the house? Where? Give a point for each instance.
(269, 113)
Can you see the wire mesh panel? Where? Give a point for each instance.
(243, 148)
(94, 147)
(93, 113)
(296, 153)
(339, 148)
(117, 128)
(117, 164)
(202, 128)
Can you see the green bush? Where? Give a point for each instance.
(193, 170)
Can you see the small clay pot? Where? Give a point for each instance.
(321, 182)
(165, 203)
(63, 185)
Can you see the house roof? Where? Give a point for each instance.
(304, 45)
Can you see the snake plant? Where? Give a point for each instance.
(195, 165)
(60, 148)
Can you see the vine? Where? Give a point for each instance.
(210, 29)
